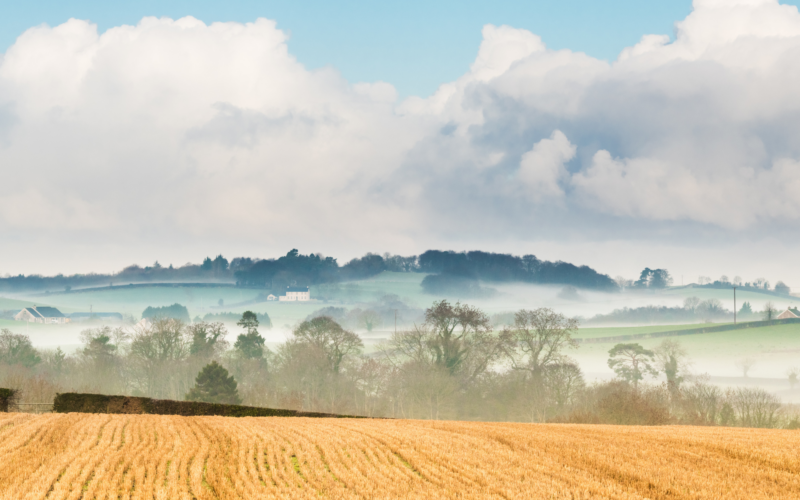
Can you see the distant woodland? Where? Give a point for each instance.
(448, 270)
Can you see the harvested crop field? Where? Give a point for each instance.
(166, 457)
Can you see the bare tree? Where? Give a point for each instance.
(158, 350)
(564, 382)
(745, 364)
(701, 403)
(536, 341)
(460, 339)
(371, 381)
(754, 407)
(691, 303)
(330, 338)
(369, 319)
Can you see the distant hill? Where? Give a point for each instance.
(276, 274)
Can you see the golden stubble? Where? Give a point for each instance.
(81, 456)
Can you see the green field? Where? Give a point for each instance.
(751, 341)
(11, 304)
(774, 349)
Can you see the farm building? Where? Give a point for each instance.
(42, 314)
(787, 314)
(296, 294)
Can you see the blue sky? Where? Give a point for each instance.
(415, 45)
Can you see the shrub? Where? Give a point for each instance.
(619, 403)
(8, 398)
(175, 311)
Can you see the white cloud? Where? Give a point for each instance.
(542, 168)
(173, 131)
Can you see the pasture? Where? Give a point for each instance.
(66, 456)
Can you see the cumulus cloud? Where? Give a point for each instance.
(542, 168)
(174, 130)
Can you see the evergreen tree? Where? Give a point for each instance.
(214, 385)
(631, 362)
(250, 345)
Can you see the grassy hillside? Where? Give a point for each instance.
(12, 304)
(774, 349)
(109, 456)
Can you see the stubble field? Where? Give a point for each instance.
(74, 456)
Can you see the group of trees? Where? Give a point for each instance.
(760, 284)
(693, 310)
(217, 269)
(497, 268)
(311, 269)
(696, 402)
(453, 365)
(655, 279)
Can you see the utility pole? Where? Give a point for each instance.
(734, 305)
(395, 321)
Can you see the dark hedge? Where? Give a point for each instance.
(6, 395)
(100, 403)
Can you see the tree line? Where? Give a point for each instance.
(693, 310)
(454, 365)
(295, 268)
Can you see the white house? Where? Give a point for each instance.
(296, 294)
(271, 297)
(43, 314)
(787, 314)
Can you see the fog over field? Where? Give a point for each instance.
(773, 350)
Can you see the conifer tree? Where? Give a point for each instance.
(214, 385)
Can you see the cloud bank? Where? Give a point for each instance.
(173, 132)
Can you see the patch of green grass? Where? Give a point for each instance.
(10, 304)
(769, 341)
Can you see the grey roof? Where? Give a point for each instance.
(296, 288)
(45, 312)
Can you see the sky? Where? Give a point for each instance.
(416, 45)
(620, 135)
